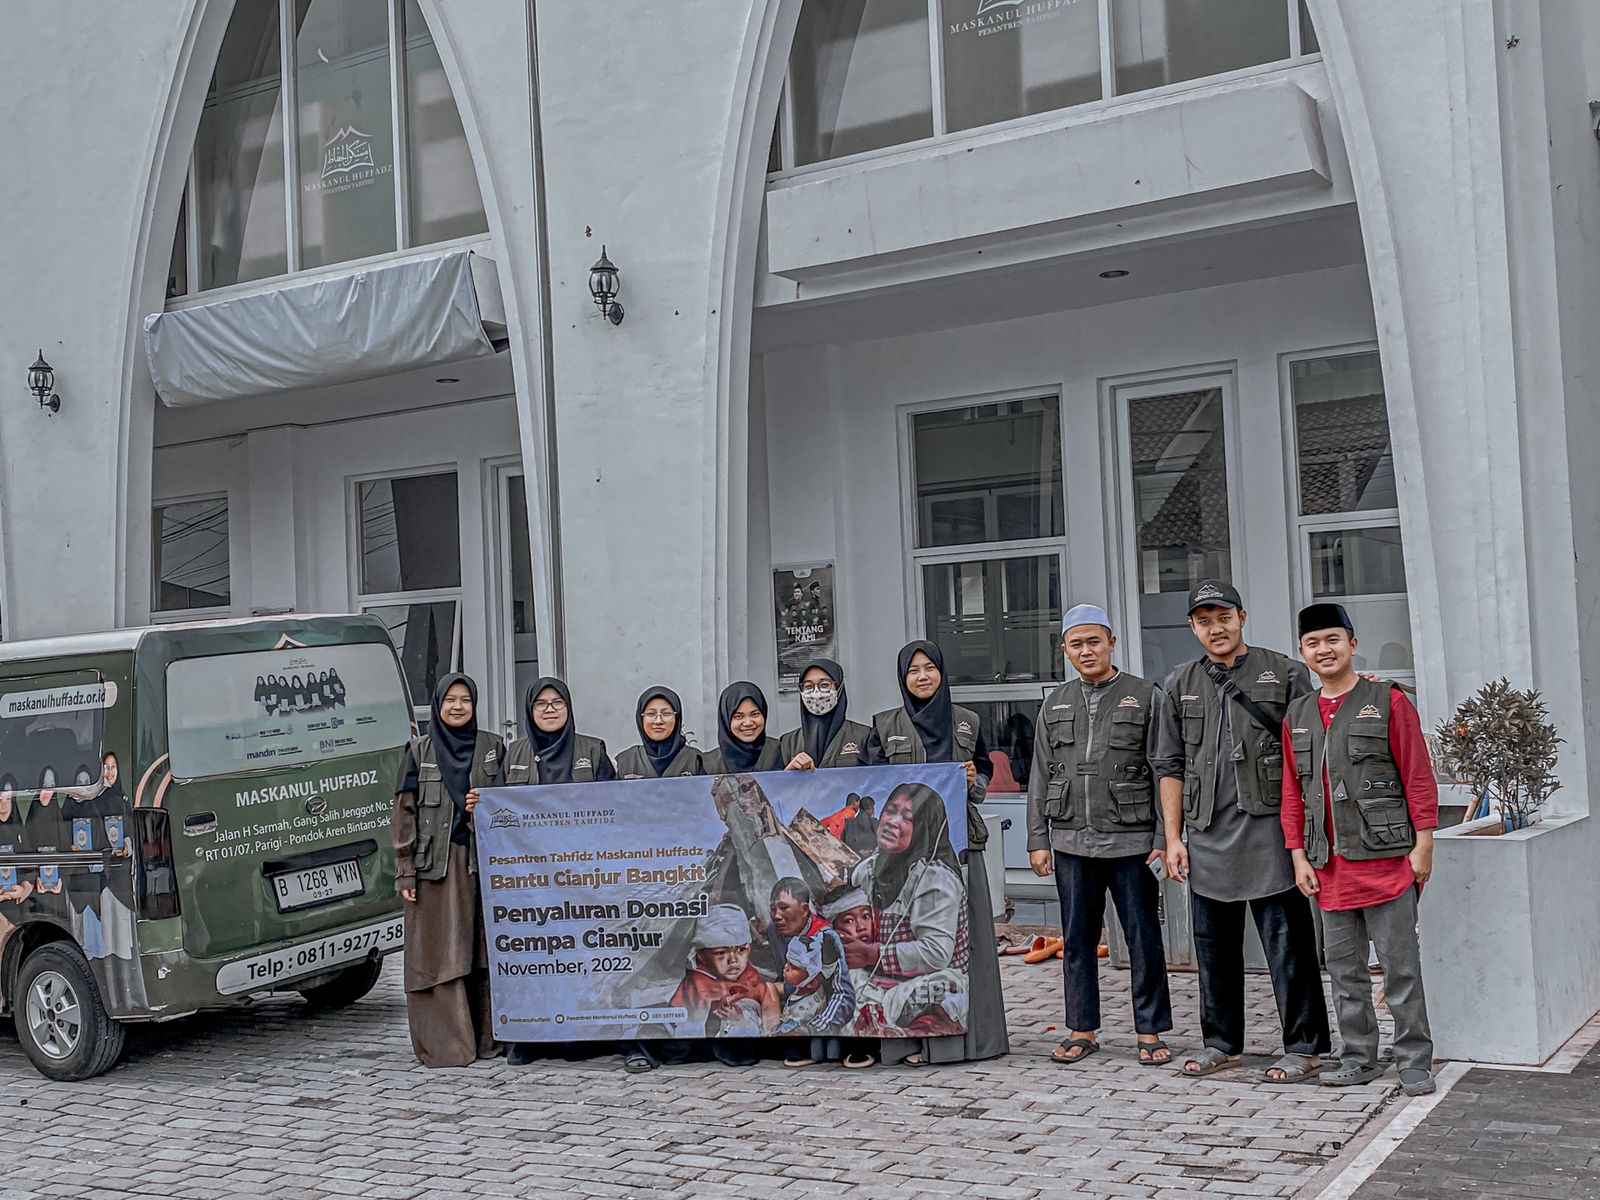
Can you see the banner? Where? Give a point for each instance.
(789, 903)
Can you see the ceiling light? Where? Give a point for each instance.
(447, 379)
(1116, 274)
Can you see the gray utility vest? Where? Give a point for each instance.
(770, 759)
(436, 812)
(902, 744)
(634, 763)
(1371, 819)
(521, 759)
(1257, 754)
(1100, 776)
(848, 748)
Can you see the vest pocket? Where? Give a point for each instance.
(1365, 744)
(1133, 804)
(1385, 823)
(1060, 731)
(1055, 799)
(1194, 723)
(1304, 757)
(1127, 729)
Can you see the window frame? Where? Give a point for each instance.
(1301, 527)
(362, 602)
(168, 616)
(1118, 392)
(288, 110)
(917, 557)
(1109, 97)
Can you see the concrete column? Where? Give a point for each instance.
(275, 538)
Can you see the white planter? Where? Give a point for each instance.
(1510, 929)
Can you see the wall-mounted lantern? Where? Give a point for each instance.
(42, 383)
(603, 287)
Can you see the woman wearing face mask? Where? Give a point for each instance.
(447, 960)
(662, 752)
(742, 741)
(929, 727)
(826, 737)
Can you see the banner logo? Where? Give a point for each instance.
(347, 150)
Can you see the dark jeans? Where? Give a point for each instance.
(1290, 940)
(1082, 884)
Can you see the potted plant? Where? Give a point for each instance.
(1501, 745)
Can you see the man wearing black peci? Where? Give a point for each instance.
(1219, 756)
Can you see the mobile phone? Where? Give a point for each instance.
(1158, 867)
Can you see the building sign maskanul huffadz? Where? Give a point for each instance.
(762, 905)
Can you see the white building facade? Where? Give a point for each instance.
(982, 307)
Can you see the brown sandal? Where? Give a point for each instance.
(1061, 1052)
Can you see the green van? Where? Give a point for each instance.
(190, 816)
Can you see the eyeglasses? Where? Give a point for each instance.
(656, 716)
(549, 705)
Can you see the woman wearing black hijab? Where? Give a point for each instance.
(929, 727)
(447, 961)
(742, 741)
(826, 737)
(552, 750)
(662, 752)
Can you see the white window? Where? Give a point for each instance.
(408, 572)
(1347, 508)
(987, 529)
(376, 159)
(866, 75)
(1175, 495)
(189, 567)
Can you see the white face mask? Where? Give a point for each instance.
(819, 701)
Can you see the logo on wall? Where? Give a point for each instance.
(348, 150)
(999, 16)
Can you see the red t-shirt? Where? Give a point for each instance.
(1345, 884)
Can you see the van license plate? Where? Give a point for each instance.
(317, 885)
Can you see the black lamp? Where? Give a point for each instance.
(42, 382)
(603, 287)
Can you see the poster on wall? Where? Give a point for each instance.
(789, 903)
(803, 604)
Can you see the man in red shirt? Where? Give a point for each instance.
(1363, 847)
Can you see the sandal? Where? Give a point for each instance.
(638, 1062)
(1038, 953)
(1149, 1050)
(860, 1062)
(1352, 1075)
(799, 1060)
(1036, 944)
(1209, 1061)
(1296, 1068)
(1415, 1081)
(1063, 1053)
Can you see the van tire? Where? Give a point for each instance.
(54, 979)
(345, 988)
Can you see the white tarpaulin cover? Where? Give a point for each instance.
(332, 329)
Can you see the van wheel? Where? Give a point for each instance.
(345, 988)
(64, 1028)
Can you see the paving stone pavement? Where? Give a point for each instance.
(1527, 1134)
(272, 1101)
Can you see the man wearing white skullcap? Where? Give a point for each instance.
(1091, 824)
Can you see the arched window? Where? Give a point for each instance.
(866, 75)
(376, 159)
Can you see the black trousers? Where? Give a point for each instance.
(1082, 884)
(1290, 940)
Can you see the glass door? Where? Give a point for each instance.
(1177, 511)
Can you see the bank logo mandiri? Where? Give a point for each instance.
(347, 150)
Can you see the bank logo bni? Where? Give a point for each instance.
(347, 150)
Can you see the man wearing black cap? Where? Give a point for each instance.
(1359, 807)
(1220, 760)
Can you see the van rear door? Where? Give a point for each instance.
(283, 766)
